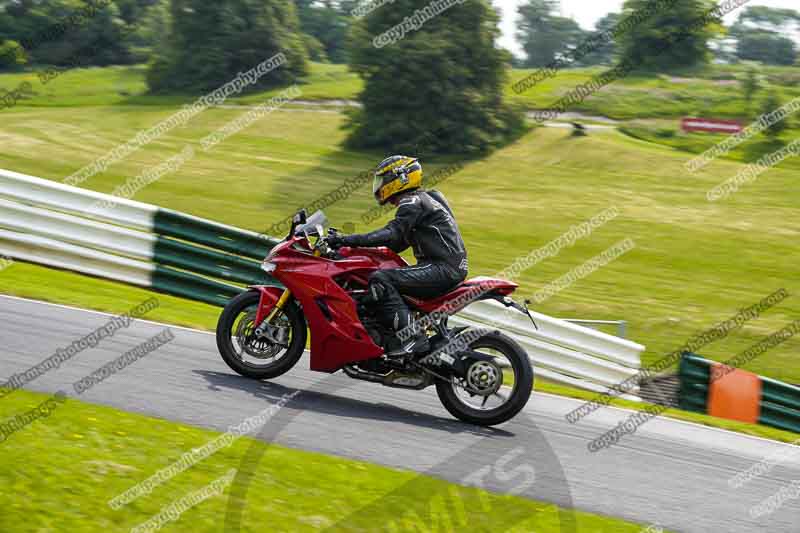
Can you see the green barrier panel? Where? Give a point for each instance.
(695, 373)
(192, 287)
(781, 393)
(217, 236)
(780, 417)
(198, 260)
(780, 405)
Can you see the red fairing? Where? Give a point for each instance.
(337, 335)
(269, 297)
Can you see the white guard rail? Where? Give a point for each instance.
(44, 222)
(561, 351)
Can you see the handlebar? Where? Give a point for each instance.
(322, 247)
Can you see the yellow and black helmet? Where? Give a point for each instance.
(394, 175)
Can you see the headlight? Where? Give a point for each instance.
(268, 267)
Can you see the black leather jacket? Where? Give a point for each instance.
(425, 222)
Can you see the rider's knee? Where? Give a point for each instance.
(380, 276)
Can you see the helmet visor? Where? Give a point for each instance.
(377, 183)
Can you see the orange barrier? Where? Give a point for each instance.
(734, 394)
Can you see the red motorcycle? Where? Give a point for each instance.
(481, 375)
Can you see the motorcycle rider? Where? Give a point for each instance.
(424, 222)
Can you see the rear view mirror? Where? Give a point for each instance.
(298, 220)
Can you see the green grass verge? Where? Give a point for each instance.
(59, 473)
(68, 288)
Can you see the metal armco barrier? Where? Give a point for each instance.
(65, 227)
(704, 390)
(562, 351)
(60, 226)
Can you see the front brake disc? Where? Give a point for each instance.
(251, 344)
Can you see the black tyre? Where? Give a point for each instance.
(253, 357)
(514, 368)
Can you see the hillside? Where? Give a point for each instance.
(695, 263)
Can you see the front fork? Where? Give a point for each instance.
(265, 327)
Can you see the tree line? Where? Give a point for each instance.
(759, 34)
(134, 31)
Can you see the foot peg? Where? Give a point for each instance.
(413, 346)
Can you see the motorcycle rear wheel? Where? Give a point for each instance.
(515, 398)
(229, 331)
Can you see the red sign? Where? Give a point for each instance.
(711, 125)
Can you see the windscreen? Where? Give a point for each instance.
(310, 227)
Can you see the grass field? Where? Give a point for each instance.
(715, 91)
(71, 464)
(125, 85)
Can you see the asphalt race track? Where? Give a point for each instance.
(669, 473)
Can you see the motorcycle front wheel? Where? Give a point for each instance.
(253, 357)
(493, 391)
